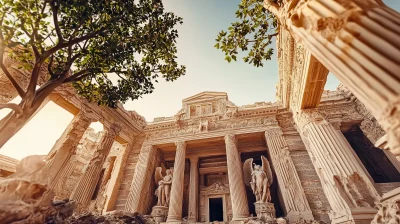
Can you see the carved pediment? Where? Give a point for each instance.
(216, 188)
(206, 104)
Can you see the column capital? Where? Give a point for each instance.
(113, 129)
(180, 144)
(230, 137)
(87, 114)
(273, 132)
(194, 159)
(305, 116)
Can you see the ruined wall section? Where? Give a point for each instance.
(128, 174)
(84, 153)
(308, 177)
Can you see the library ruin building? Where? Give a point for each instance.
(331, 156)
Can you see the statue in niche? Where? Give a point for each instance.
(203, 125)
(259, 178)
(163, 178)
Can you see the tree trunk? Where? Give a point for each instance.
(12, 123)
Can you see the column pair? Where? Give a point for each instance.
(357, 40)
(86, 185)
(135, 197)
(350, 192)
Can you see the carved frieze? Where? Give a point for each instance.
(209, 126)
(216, 188)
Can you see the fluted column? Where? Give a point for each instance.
(65, 147)
(240, 209)
(346, 185)
(193, 189)
(358, 41)
(294, 198)
(134, 200)
(176, 198)
(87, 183)
(116, 180)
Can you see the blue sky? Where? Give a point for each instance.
(206, 71)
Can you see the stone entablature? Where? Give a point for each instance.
(7, 165)
(245, 119)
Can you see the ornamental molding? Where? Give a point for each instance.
(216, 188)
(209, 126)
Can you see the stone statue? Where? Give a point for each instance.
(163, 178)
(259, 178)
(203, 125)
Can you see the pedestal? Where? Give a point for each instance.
(265, 210)
(159, 213)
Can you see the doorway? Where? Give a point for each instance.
(216, 209)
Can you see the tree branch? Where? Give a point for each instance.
(49, 66)
(18, 88)
(15, 107)
(68, 43)
(78, 75)
(54, 8)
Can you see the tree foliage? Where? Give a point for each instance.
(110, 50)
(252, 34)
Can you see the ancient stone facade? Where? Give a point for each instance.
(332, 155)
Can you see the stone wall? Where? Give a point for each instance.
(128, 175)
(308, 177)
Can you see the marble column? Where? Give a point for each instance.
(176, 196)
(240, 209)
(87, 183)
(294, 198)
(358, 41)
(134, 201)
(193, 189)
(350, 192)
(65, 147)
(116, 180)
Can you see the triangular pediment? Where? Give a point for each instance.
(205, 96)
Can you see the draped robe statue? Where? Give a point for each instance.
(163, 178)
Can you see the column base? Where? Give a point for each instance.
(239, 219)
(355, 215)
(159, 213)
(294, 216)
(265, 210)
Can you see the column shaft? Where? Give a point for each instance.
(193, 190)
(134, 199)
(65, 147)
(240, 209)
(346, 185)
(294, 198)
(175, 204)
(363, 51)
(87, 183)
(115, 181)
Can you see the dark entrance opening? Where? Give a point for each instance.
(216, 209)
(374, 159)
